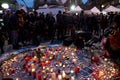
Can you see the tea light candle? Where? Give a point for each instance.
(17, 79)
(63, 74)
(72, 54)
(60, 64)
(43, 67)
(47, 62)
(59, 77)
(51, 70)
(63, 57)
(72, 78)
(35, 59)
(47, 68)
(74, 60)
(63, 66)
(105, 59)
(33, 73)
(50, 58)
(72, 71)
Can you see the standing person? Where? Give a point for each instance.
(21, 26)
(1, 40)
(59, 18)
(51, 22)
(14, 28)
(6, 18)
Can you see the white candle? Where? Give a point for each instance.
(16, 79)
(53, 76)
(72, 78)
(51, 70)
(72, 54)
(60, 64)
(63, 74)
(74, 60)
(72, 71)
(59, 77)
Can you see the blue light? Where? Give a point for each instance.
(84, 1)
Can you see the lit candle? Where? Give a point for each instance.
(35, 59)
(51, 70)
(39, 76)
(32, 66)
(63, 66)
(63, 74)
(47, 62)
(72, 78)
(42, 64)
(63, 57)
(27, 59)
(59, 77)
(46, 55)
(53, 76)
(60, 64)
(26, 68)
(72, 54)
(17, 79)
(47, 68)
(50, 58)
(76, 69)
(74, 60)
(72, 71)
(33, 73)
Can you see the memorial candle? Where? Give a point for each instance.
(46, 55)
(33, 73)
(12, 70)
(47, 62)
(76, 69)
(53, 76)
(26, 68)
(59, 77)
(32, 66)
(33, 53)
(63, 74)
(35, 59)
(27, 59)
(72, 78)
(39, 76)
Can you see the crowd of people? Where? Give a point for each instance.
(23, 28)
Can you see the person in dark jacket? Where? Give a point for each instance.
(1, 40)
(79, 43)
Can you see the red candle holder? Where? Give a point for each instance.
(76, 69)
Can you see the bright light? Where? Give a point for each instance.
(5, 5)
(102, 6)
(76, 13)
(72, 7)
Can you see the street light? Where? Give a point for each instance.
(5, 5)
